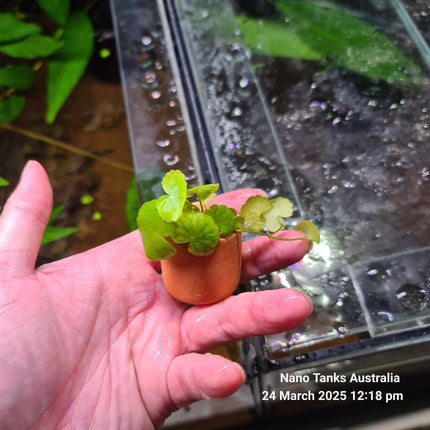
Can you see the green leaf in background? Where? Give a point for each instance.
(57, 10)
(132, 204)
(12, 28)
(18, 77)
(54, 233)
(275, 39)
(68, 64)
(150, 188)
(11, 108)
(32, 47)
(3, 182)
(348, 41)
(54, 213)
(86, 199)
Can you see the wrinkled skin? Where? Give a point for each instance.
(94, 341)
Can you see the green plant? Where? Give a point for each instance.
(52, 232)
(323, 32)
(146, 187)
(182, 216)
(66, 50)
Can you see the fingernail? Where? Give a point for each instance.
(300, 296)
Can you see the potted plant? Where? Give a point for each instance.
(199, 246)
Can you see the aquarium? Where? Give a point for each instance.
(325, 103)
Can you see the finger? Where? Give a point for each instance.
(264, 255)
(193, 377)
(244, 315)
(235, 199)
(24, 220)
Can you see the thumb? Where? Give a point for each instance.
(23, 221)
(193, 377)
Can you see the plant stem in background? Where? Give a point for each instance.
(66, 146)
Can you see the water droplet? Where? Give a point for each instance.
(156, 94)
(377, 272)
(149, 80)
(425, 173)
(412, 297)
(163, 143)
(348, 184)
(244, 90)
(170, 160)
(386, 316)
(319, 104)
(243, 83)
(278, 344)
(236, 112)
(339, 328)
(147, 44)
(149, 76)
(146, 40)
(301, 358)
(295, 339)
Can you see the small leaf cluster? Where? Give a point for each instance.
(27, 46)
(182, 216)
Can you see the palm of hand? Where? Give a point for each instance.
(95, 341)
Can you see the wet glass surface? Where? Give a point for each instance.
(157, 122)
(327, 104)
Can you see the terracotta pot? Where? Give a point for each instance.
(204, 280)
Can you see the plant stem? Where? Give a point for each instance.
(66, 146)
(271, 236)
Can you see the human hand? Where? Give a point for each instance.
(95, 340)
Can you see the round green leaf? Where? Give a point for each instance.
(281, 208)
(224, 217)
(253, 211)
(153, 230)
(170, 206)
(199, 231)
(310, 229)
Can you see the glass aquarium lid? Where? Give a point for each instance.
(326, 103)
(323, 102)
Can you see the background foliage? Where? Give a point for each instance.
(63, 43)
